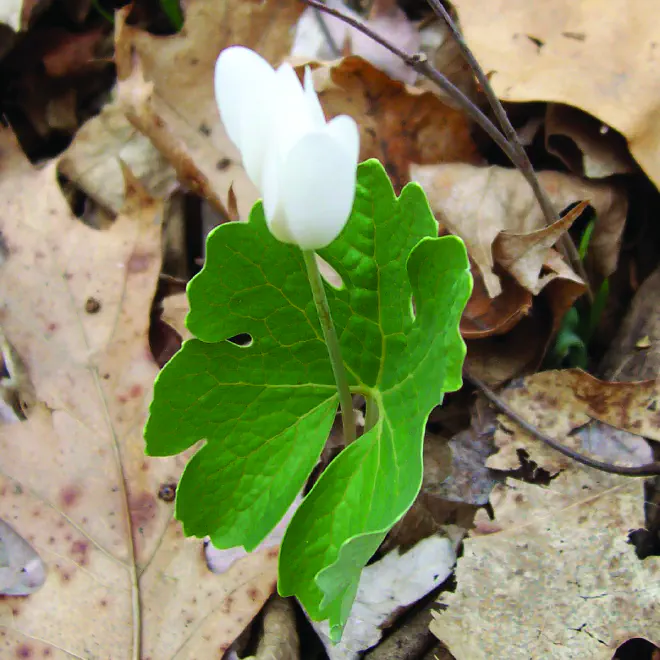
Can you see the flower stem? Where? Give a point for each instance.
(332, 342)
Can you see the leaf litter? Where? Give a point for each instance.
(74, 482)
(552, 574)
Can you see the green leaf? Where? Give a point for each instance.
(265, 410)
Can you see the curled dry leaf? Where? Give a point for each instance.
(122, 582)
(168, 85)
(93, 160)
(598, 56)
(564, 405)
(553, 575)
(478, 203)
(399, 124)
(585, 145)
(485, 316)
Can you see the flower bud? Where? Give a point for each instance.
(304, 167)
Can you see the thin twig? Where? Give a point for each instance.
(420, 64)
(648, 470)
(330, 40)
(522, 161)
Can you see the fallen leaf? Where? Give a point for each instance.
(122, 582)
(586, 146)
(399, 124)
(478, 203)
(10, 13)
(94, 160)
(386, 587)
(564, 405)
(179, 69)
(21, 570)
(470, 480)
(175, 309)
(485, 316)
(279, 639)
(553, 575)
(390, 22)
(590, 55)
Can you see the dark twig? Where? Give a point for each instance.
(648, 470)
(522, 161)
(419, 63)
(330, 40)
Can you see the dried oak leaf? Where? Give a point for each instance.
(601, 57)
(553, 575)
(479, 203)
(122, 582)
(400, 125)
(565, 405)
(178, 111)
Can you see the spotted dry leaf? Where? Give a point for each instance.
(121, 580)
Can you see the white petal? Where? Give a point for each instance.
(293, 117)
(243, 83)
(273, 206)
(344, 129)
(316, 111)
(317, 186)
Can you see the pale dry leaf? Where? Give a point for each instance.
(564, 405)
(21, 570)
(553, 575)
(175, 310)
(122, 582)
(477, 203)
(180, 69)
(390, 22)
(601, 57)
(585, 145)
(399, 124)
(93, 160)
(10, 13)
(387, 587)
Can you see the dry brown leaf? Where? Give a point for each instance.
(398, 124)
(93, 160)
(560, 403)
(485, 316)
(477, 203)
(74, 480)
(598, 56)
(180, 70)
(585, 145)
(499, 358)
(553, 575)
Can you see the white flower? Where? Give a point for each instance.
(304, 167)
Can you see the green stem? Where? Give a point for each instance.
(371, 417)
(332, 342)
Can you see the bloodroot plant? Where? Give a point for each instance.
(265, 410)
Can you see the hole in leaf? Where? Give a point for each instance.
(329, 274)
(636, 649)
(244, 339)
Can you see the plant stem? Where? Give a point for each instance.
(332, 342)
(371, 416)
